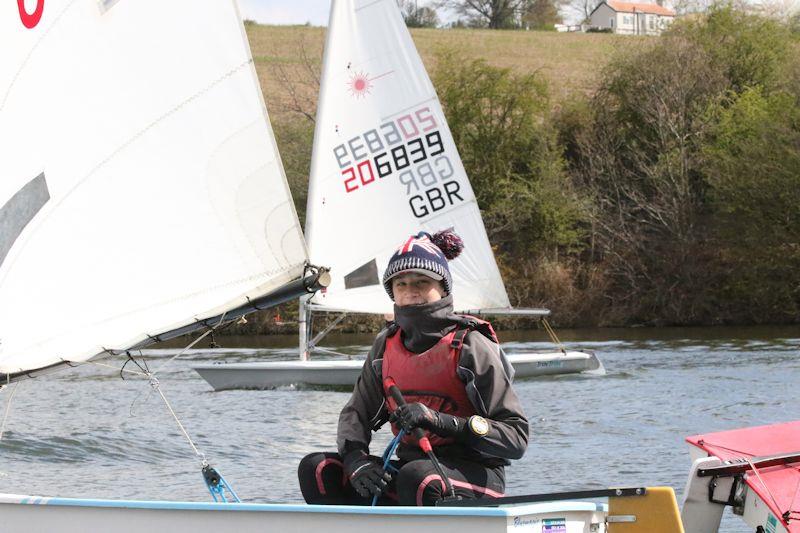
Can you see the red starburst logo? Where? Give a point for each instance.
(359, 85)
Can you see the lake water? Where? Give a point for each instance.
(87, 433)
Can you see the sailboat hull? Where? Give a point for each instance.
(36, 514)
(343, 373)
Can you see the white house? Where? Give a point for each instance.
(631, 18)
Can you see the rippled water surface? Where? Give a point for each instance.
(87, 433)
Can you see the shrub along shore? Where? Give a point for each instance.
(622, 180)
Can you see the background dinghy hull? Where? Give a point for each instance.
(344, 373)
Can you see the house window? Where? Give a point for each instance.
(611, 22)
(627, 20)
(651, 22)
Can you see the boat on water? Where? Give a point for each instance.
(143, 198)
(728, 472)
(385, 166)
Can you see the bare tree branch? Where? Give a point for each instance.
(302, 84)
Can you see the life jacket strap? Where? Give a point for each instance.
(458, 339)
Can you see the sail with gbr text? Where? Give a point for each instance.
(140, 184)
(385, 166)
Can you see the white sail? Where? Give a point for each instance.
(385, 166)
(140, 184)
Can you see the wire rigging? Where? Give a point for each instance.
(8, 406)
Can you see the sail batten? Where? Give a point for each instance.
(385, 166)
(167, 197)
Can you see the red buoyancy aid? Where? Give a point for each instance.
(431, 377)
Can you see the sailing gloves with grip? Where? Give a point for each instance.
(365, 475)
(416, 415)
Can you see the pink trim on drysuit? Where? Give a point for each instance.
(318, 473)
(456, 483)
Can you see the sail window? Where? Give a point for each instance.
(19, 210)
(363, 276)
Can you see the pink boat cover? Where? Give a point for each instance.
(780, 489)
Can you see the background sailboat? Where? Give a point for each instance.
(384, 166)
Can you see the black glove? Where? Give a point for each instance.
(366, 476)
(416, 415)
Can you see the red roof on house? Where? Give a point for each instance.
(636, 7)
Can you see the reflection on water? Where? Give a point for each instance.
(86, 432)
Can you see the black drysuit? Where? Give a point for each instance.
(475, 465)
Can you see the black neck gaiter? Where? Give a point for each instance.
(424, 325)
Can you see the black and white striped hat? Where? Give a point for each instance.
(426, 255)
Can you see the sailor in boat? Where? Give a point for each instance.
(457, 388)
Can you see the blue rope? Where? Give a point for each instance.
(387, 457)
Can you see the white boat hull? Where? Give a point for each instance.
(38, 515)
(343, 373)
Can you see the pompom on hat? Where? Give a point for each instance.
(426, 254)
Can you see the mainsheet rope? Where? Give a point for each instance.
(144, 371)
(155, 384)
(552, 333)
(784, 516)
(192, 344)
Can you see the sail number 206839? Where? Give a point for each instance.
(391, 159)
(411, 147)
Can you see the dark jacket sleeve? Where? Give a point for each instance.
(366, 410)
(486, 374)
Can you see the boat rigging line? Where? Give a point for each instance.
(8, 407)
(313, 278)
(553, 337)
(191, 345)
(736, 468)
(215, 483)
(422, 440)
(787, 515)
(387, 458)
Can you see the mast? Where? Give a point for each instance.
(316, 157)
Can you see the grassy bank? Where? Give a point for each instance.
(570, 62)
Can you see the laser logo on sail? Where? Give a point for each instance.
(30, 20)
(359, 85)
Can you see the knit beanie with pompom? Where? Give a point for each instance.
(426, 255)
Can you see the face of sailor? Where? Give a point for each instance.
(413, 288)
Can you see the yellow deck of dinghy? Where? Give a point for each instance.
(654, 512)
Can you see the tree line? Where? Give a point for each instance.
(669, 196)
(545, 14)
(492, 14)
